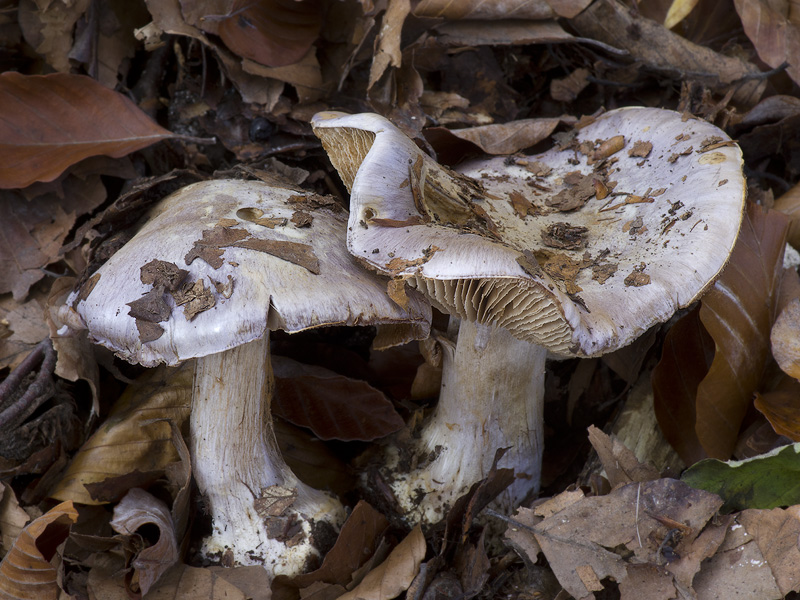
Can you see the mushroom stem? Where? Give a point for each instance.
(240, 470)
(491, 397)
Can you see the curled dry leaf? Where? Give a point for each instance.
(500, 9)
(700, 403)
(333, 406)
(508, 138)
(26, 572)
(395, 574)
(12, 518)
(789, 204)
(138, 509)
(135, 442)
(50, 122)
(785, 340)
(588, 539)
(357, 541)
(388, 52)
(274, 33)
(773, 29)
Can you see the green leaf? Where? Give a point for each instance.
(767, 481)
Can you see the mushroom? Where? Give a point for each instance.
(576, 251)
(214, 269)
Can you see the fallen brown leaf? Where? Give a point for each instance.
(274, 33)
(773, 29)
(333, 406)
(395, 574)
(700, 402)
(508, 138)
(12, 518)
(617, 535)
(789, 204)
(50, 122)
(26, 572)
(357, 541)
(135, 438)
(138, 509)
(500, 9)
(738, 312)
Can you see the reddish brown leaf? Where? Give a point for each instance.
(773, 29)
(334, 407)
(781, 409)
(26, 572)
(274, 33)
(789, 204)
(739, 312)
(686, 357)
(357, 541)
(49, 122)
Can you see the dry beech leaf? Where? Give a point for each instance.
(333, 406)
(789, 204)
(137, 509)
(32, 230)
(22, 327)
(577, 540)
(738, 312)
(12, 518)
(500, 9)
(678, 11)
(357, 541)
(700, 401)
(785, 339)
(182, 582)
(620, 463)
(134, 445)
(508, 138)
(50, 122)
(780, 407)
(26, 572)
(388, 52)
(774, 32)
(395, 574)
(274, 33)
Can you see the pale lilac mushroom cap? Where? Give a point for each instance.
(576, 251)
(215, 267)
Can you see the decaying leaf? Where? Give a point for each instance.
(12, 518)
(26, 572)
(592, 538)
(214, 241)
(620, 464)
(135, 438)
(50, 122)
(139, 509)
(274, 33)
(498, 9)
(333, 406)
(739, 312)
(395, 574)
(508, 138)
(785, 340)
(357, 541)
(774, 31)
(700, 408)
